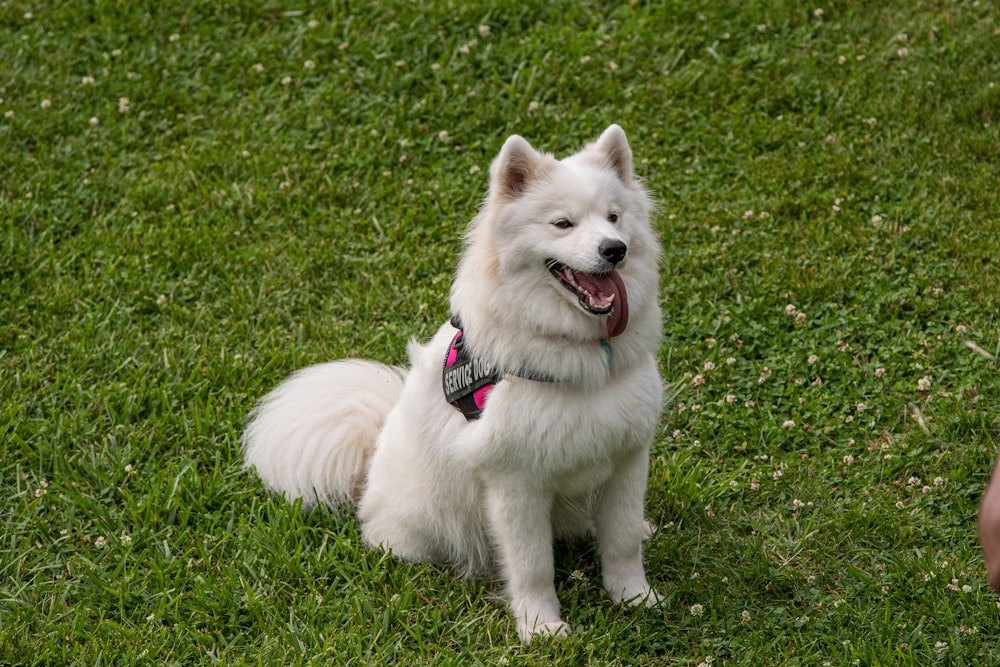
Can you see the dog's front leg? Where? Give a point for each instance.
(621, 529)
(520, 519)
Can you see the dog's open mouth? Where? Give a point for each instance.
(597, 293)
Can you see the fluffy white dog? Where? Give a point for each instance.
(528, 416)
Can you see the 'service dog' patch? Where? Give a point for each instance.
(466, 380)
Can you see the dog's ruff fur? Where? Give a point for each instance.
(546, 459)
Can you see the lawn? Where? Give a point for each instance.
(199, 198)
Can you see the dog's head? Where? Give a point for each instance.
(565, 235)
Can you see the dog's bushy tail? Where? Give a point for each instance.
(312, 437)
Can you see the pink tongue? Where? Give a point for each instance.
(608, 284)
(618, 319)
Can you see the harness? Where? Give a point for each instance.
(467, 380)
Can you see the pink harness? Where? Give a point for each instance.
(467, 380)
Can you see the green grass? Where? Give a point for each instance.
(164, 266)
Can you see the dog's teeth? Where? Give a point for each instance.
(611, 298)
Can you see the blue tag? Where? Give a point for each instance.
(606, 346)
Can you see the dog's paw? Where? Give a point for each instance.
(650, 599)
(636, 597)
(553, 629)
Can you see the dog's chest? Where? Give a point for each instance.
(572, 437)
(583, 479)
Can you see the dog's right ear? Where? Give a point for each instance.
(514, 168)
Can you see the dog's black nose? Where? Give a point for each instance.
(613, 250)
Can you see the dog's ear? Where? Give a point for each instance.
(516, 166)
(614, 152)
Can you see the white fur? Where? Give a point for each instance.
(312, 436)
(546, 459)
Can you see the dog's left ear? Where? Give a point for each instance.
(615, 152)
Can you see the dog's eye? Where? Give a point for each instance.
(613, 216)
(563, 223)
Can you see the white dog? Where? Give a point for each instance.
(527, 417)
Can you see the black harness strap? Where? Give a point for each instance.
(467, 380)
